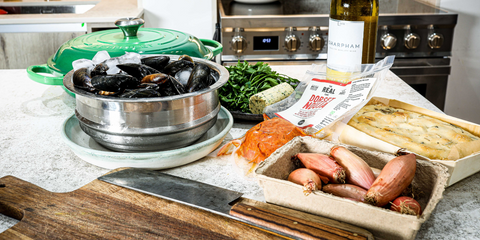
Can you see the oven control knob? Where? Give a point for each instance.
(292, 43)
(239, 44)
(316, 43)
(388, 41)
(435, 40)
(412, 40)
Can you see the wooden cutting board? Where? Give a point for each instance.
(100, 210)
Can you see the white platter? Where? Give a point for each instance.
(90, 151)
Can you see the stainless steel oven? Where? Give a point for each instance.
(295, 32)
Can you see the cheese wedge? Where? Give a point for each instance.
(259, 101)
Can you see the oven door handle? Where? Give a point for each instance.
(421, 70)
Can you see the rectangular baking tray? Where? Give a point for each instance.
(458, 169)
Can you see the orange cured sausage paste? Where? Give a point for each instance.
(262, 139)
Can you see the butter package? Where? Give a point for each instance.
(461, 158)
(259, 101)
(430, 179)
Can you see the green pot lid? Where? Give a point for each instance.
(130, 38)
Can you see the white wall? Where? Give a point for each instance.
(196, 17)
(463, 93)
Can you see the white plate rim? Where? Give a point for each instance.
(138, 156)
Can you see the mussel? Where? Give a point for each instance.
(199, 79)
(171, 87)
(140, 93)
(82, 79)
(176, 66)
(157, 78)
(168, 85)
(107, 93)
(114, 83)
(157, 62)
(210, 79)
(183, 75)
(99, 69)
(153, 86)
(214, 74)
(186, 58)
(137, 70)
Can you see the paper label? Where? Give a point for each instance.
(345, 44)
(324, 101)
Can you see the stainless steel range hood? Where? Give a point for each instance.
(48, 7)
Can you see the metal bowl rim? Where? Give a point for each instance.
(152, 131)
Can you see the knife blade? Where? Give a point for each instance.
(225, 202)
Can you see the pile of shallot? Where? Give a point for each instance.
(344, 174)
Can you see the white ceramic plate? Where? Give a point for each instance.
(90, 151)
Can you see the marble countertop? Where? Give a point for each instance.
(32, 149)
(104, 11)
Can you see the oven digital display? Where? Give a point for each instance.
(267, 43)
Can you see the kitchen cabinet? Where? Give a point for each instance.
(24, 45)
(21, 50)
(30, 39)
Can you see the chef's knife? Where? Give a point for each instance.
(223, 202)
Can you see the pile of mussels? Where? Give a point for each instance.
(156, 76)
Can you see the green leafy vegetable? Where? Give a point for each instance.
(247, 80)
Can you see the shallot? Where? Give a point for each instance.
(323, 165)
(406, 205)
(376, 171)
(357, 170)
(307, 178)
(397, 175)
(349, 191)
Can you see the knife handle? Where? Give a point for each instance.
(294, 226)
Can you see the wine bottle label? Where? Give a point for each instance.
(345, 43)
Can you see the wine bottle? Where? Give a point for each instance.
(352, 36)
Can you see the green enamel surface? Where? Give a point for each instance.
(147, 41)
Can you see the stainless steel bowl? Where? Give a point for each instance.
(148, 124)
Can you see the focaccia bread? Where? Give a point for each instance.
(418, 133)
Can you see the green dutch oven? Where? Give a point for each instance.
(129, 38)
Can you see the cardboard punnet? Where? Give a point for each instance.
(430, 179)
(469, 156)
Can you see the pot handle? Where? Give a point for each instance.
(217, 47)
(33, 71)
